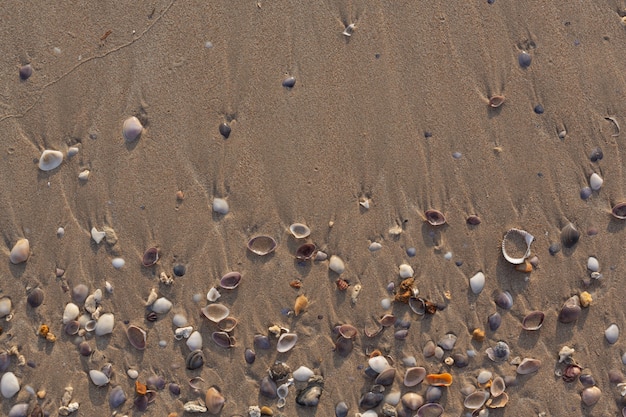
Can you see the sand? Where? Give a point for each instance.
(353, 127)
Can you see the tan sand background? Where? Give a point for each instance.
(353, 126)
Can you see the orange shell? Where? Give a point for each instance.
(439, 380)
(296, 283)
(525, 267)
(140, 388)
(375, 352)
(301, 304)
(43, 330)
(478, 335)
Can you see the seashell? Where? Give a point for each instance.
(590, 395)
(460, 360)
(473, 220)
(320, 256)
(336, 264)
(516, 245)
(528, 366)
(262, 245)
(141, 403)
(476, 400)
(435, 217)
(286, 342)
(162, 305)
(595, 182)
(378, 363)
(80, 293)
(430, 410)
(84, 348)
(524, 267)
(230, 281)
(371, 399)
(225, 130)
(117, 397)
(5, 306)
(9, 385)
(118, 263)
(301, 304)
(214, 401)
(343, 346)
(220, 206)
(412, 400)
(342, 284)
(447, 341)
(228, 324)
(497, 386)
(289, 82)
(302, 374)
(477, 282)
(50, 160)
(499, 401)
(20, 410)
(174, 388)
(98, 378)
(569, 235)
(155, 382)
(533, 320)
(213, 294)
(524, 59)
(374, 246)
(496, 101)
(388, 320)
(494, 321)
(194, 341)
(261, 341)
(504, 300)
(215, 312)
(90, 325)
(386, 377)
(586, 379)
(611, 333)
(249, 356)
(341, 409)
(571, 373)
(20, 252)
(299, 230)
(306, 251)
(5, 361)
(310, 395)
(405, 271)
(194, 360)
(439, 380)
(619, 210)
(223, 339)
(34, 298)
(414, 376)
(268, 388)
(500, 352)
(150, 257)
(585, 193)
(70, 313)
(72, 327)
(131, 129)
(570, 310)
(592, 264)
(348, 331)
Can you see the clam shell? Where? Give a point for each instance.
(570, 311)
(336, 264)
(341, 409)
(494, 321)
(21, 410)
(378, 363)
(302, 374)
(412, 400)
(286, 342)
(225, 130)
(35, 297)
(249, 356)
(310, 395)
(262, 245)
(447, 341)
(590, 395)
(497, 386)
(569, 235)
(619, 211)
(231, 280)
(595, 182)
(9, 385)
(220, 206)
(98, 378)
(612, 333)
(499, 401)
(386, 377)
(223, 339)
(430, 410)
(215, 312)
(306, 251)
(117, 397)
(533, 320)
(20, 252)
(496, 101)
(261, 341)
(227, 324)
(289, 82)
(435, 217)
(504, 300)
(299, 230)
(194, 341)
(370, 400)
(72, 327)
(50, 160)
(476, 400)
(131, 129)
(348, 331)
(150, 257)
(516, 245)
(268, 388)
(214, 401)
(528, 366)
(414, 376)
(194, 360)
(136, 337)
(477, 282)
(500, 352)
(343, 346)
(439, 380)
(388, 320)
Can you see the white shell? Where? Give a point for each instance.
(213, 294)
(336, 264)
(20, 252)
(84, 175)
(612, 333)
(378, 363)
(118, 263)
(194, 342)
(72, 150)
(393, 397)
(132, 373)
(50, 160)
(9, 385)
(369, 413)
(528, 238)
(220, 206)
(299, 230)
(96, 235)
(477, 282)
(5, 306)
(104, 325)
(385, 303)
(595, 182)
(98, 378)
(592, 264)
(484, 377)
(405, 271)
(132, 129)
(162, 305)
(70, 313)
(179, 320)
(302, 374)
(183, 332)
(286, 342)
(375, 246)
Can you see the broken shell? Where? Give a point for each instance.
(499, 401)
(571, 373)
(227, 324)
(262, 245)
(214, 401)
(516, 245)
(348, 331)
(343, 346)
(447, 341)
(136, 337)
(50, 160)
(299, 230)
(500, 352)
(286, 342)
(230, 281)
(528, 366)
(570, 310)
(302, 374)
(223, 339)
(71, 328)
(306, 252)
(131, 129)
(476, 400)
(150, 257)
(619, 211)
(439, 380)
(20, 252)
(533, 320)
(215, 312)
(302, 302)
(496, 101)
(435, 217)
(569, 235)
(414, 376)
(310, 395)
(213, 294)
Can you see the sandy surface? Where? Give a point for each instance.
(353, 127)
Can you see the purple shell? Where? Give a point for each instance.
(150, 257)
(136, 337)
(230, 281)
(223, 339)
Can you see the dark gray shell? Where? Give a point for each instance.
(343, 346)
(268, 388)
(370, 400)
(569, 235)
(150, 257)
(225, 130)
(435, 217)
(250, 356)
(195, 360)
(35, 297)
(261, 342)
(306, 251)
(341, 409)
(570, 311)
(504, 300)
(494, 321)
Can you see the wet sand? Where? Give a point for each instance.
(378, 116)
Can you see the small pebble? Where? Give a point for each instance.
(554, 248)
(595, 182)
(538, 109)
(220, 206)
(385, 303)
(179, 270)
(447, 256)
(524, 59)
(596, 155)
(118, 263)
(60, 232)
(592, 264)
(84, 175)
(289, 82)
(411, 252)
(585, 193)
(457, 155)
(612, 333)
(132, 373)
(26, 71)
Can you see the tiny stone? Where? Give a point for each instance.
(60, 232)
(26, 71)
(457, 155)
(524, 59)
(538, 109)
(179, 270)
(118, 263)
(554, 248)
(585, 193)
(447, 256)
(411, 252)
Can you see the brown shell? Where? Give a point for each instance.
(342, 284)
(496, 101)
(140, 388)
(435, 217)
(619, 211)
(301, 304)
(296, 283)
(525, 267)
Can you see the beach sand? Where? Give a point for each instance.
(374, 116)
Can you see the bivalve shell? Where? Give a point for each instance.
(98, 378)
(430, 410)
(131, 129)
(593, 264)
(150, 257)
(435, 217)
(50, 160)
(162, 305)
(262, 245)
(194, 341)
(306, 251)
(447, 341)
(215, 312)
(414, 376)
(21, 410)
(619, 210)
(499, 353)
(35, 298)
(223, 339)
(104, 325)
(336, 264)
(228, 324)
(231, 280)
(504, 300)
(220, 206)
(117, 397)
(214, 401)
(70, 313)
(439, 380)
(5, 306)
(299, 230)
(378, 363)
(516, 245)
(194, 360)
(477, 282)
(412, 400)
(533, 320)
(499, 401)
(591, 395)
(302, 374)
(569, 235)
(20, 252)
(497, 386)
(595, 182)
(9, 385)
(571, 310)
(386, 377)
(528, 366)
(286, 342)
(476, 400)
(612, 333)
